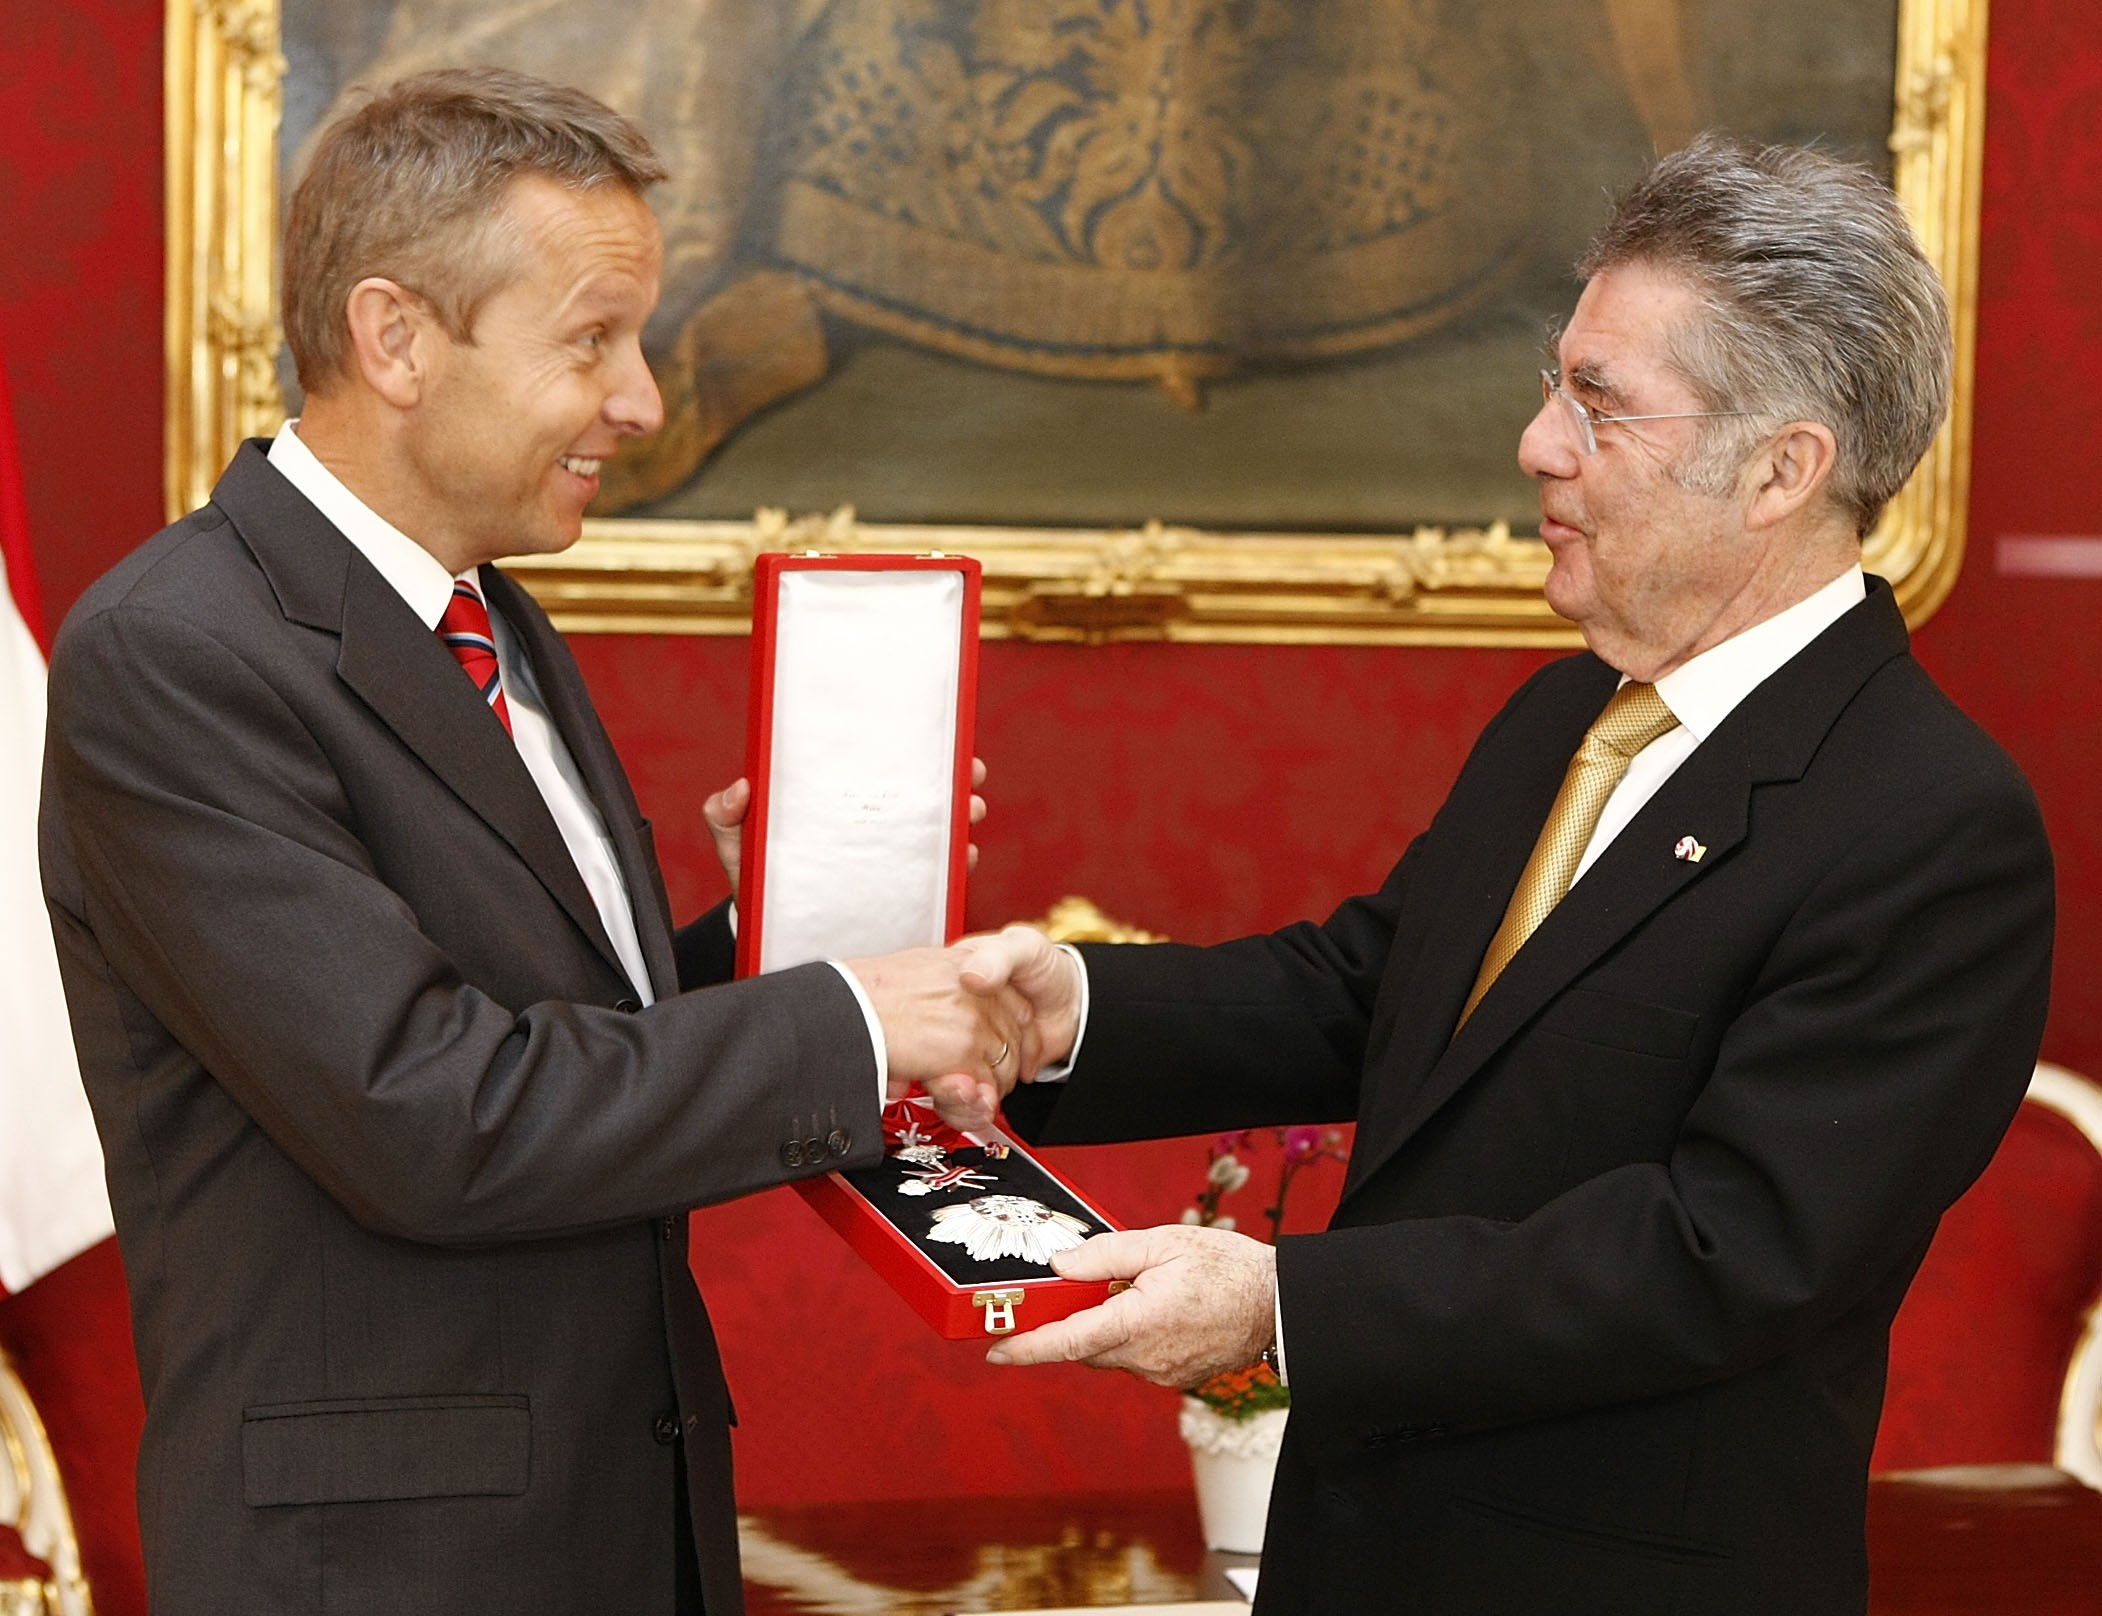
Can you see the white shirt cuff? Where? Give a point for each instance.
(868, 1014)
(1277, 1340)
(1059, 1072)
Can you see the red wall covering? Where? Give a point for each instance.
(1202, 792)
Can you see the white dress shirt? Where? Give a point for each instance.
(1704, 690)
(423, 583)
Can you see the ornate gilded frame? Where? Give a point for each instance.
(1431, 586)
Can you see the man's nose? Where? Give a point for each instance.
(635, 407)
(1547, 448)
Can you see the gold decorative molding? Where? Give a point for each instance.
(1155, 582)
(223, 83)
(1937, 146)
(1148, 582)
(33, 1502)
(2077, 1448)
(1074, 919)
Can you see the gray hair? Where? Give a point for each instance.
(1817, 304)
(410, 185)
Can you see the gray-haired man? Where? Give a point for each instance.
(1716, 979)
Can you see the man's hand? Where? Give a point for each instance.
(724, 813)
(1021, 960)
(1201, 1301)
(964, 1047)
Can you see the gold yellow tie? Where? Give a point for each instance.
(1633, 718)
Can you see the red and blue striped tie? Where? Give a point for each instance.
(465, 630)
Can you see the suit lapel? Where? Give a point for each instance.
(1770, 738)
(1491, 849)
(569, 705)
(402, 672)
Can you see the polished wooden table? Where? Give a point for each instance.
(2000, 1541)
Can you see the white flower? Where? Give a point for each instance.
(1191, 1215)
(1257, 1436)
(1228, 1174)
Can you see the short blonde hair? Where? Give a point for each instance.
(410, 185)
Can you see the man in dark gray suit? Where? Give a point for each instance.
(387, 1032)
(1714, 981)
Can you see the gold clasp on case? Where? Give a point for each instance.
(999, 1310)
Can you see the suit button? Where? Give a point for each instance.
(813, 1150)
(628, 1007)
(666, 1431)
(792, 1153)
(839, 1141)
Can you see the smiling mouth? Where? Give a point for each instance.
(579, 465)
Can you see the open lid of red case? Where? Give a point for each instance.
(864, 699)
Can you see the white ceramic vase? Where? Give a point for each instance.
(1234, 1461)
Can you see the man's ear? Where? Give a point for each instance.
(391, 333)
(1788, 473)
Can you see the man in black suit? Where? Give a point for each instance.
(1641, 1172)
(378, 1002)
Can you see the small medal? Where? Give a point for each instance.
(995, 1226)
(936, 1178)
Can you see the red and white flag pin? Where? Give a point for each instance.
(1688, 850)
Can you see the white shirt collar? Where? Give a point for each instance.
(1704, 690)
(412, 571)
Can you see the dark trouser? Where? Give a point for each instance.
(686, 1580)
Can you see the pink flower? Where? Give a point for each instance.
(1228, 1170)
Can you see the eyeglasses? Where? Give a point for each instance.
(1553, 392)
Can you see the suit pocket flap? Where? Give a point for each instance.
(1592, 1017)
(363, 1449)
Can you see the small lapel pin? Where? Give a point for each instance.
(1688, 850)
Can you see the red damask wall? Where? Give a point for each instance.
(1201, 792)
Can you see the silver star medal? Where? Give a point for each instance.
(919, 1149)
(994, 1226)
(916, 1146)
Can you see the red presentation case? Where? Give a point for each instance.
(864, 680)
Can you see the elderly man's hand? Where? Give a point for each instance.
(1201, 1301)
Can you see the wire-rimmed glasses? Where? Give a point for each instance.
(1584, 421)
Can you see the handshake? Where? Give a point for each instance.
(970, 1021)
(966, 1022)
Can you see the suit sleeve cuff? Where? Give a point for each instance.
(876, 1044)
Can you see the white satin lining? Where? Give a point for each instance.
(861, 792)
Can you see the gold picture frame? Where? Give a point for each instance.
(1148, 581)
